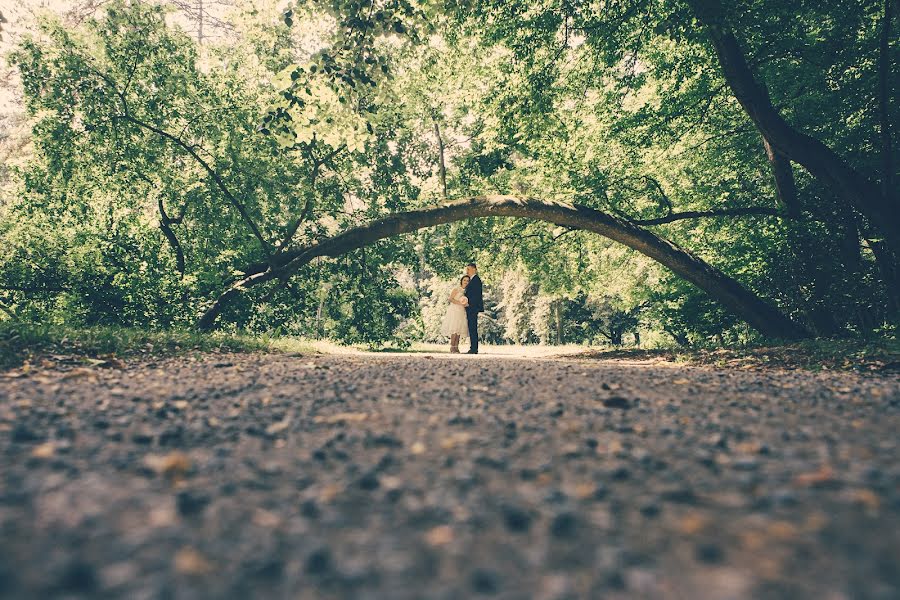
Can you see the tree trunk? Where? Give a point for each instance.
(441, 164)
(884, 98)
(822, 162)
(559, 323)
(783, 173)
(741, 301)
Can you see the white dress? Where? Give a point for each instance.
(455, 321)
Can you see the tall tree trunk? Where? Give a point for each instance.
(559, 323)
(199, 22)
(808, 263)
(734, 296)
(441, 164)
(884, 98)
(886, 257)
(848, 184)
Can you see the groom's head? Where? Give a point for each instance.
(471, 269)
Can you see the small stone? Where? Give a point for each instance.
(745, 463)
(563, 525)
(516, 519)
(485, 581)
(21, 433)
(369, 482)
(709, 553)
(319, 562)
(785, 498)
(310, 509)
(617, 402)
(621, 474)
(680, 496)
(142, 438)
(78, 577)
(190, 503)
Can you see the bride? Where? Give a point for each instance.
(455, 322)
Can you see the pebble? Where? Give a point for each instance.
(563, 525)
(485, 581)
(516, 519)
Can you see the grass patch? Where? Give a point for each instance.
(22, 343)
(873, 355)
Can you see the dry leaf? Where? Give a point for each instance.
(782, 530)
(278, 427)
(865, 497)
(46, 450)
(80, 372)
(190, 562)
(455, 439)
(823, 475)
(439, 536)
(347, 417)
(265, 518)
(174, 465)
(692, 523)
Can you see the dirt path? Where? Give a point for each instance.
(447, 477)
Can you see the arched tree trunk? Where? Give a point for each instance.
(847, 183)
(741, 301)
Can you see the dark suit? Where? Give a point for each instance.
(476, 305)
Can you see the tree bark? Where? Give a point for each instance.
(441, 164)
(884, 98)
(822, 162)
(783, 173)
(165, 225)
(744, 303)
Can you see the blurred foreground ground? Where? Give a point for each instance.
(431, 476)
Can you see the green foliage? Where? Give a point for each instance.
(161, 172)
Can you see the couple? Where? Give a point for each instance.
(461, 319)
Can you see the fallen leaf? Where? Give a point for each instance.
(278, 427)
(439, 536)
(46, 450)
(823, 475)
(190, 562)
(347, 417)
(266, 518)
(80, 372)
(173, 466)
(692, 523)
(782, 530)
(866, 498)
(455, 439)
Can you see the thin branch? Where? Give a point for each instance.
(212, 173)
(723, 212)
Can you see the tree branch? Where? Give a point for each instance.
(212, 173)
(744, 303)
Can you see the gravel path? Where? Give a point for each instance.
(379, 476)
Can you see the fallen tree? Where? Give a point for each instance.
(742, 302)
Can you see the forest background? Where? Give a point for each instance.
(158, 155)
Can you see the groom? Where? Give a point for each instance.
(475, 306)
